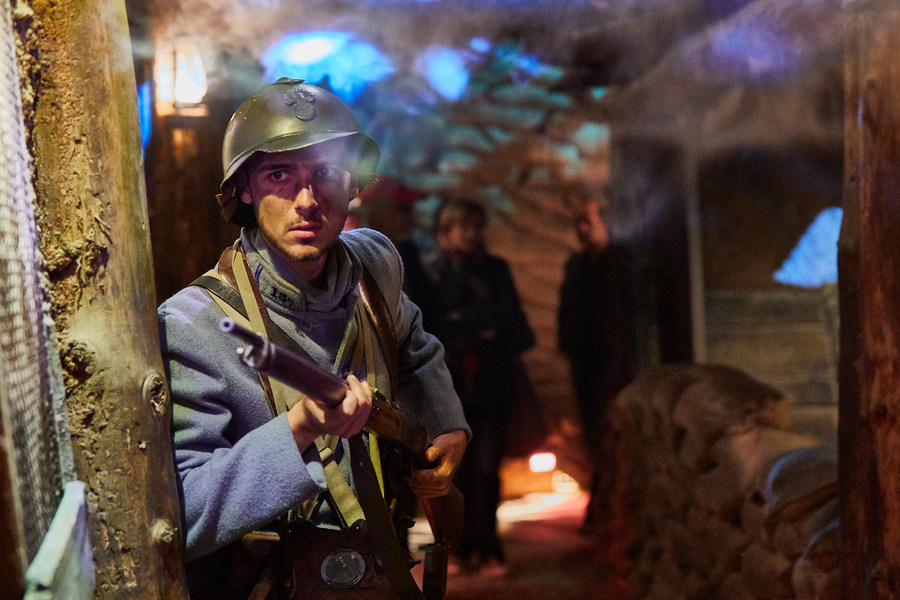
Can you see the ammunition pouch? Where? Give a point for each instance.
(332, 564)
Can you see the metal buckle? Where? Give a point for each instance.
(343, 568)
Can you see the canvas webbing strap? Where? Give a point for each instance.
(381, 527)
(229, 300)
(241, 319)
(250, 296)
(347, 504)
(364, 352)
(282, 396)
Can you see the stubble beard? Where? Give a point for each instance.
(297, 254)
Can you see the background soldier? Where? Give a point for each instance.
(476, 313)
(596, 329)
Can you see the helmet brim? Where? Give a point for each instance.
(368, 154)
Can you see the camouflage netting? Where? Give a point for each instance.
(34, 425)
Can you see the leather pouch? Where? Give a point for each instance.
(333, 564)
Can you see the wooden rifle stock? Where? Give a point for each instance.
(444, 513)
(303, 374)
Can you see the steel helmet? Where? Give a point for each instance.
(287, 115)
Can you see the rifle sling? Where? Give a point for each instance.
(377, 308)
(381, 529)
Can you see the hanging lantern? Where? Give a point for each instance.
(180, 78)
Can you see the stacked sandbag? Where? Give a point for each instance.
(803, 519)
(728, 502)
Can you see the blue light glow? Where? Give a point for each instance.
(445, 69)
(349, 64)
(309, 49)
(753, 49)
(523, 68)
(591, 136)
(480, 45)
(144, 113)
(814, 261)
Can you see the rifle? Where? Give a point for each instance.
(386, 419)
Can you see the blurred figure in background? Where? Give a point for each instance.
(597, 327)
(388, 205)
(475, 311)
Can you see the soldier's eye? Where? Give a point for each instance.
(331, 174)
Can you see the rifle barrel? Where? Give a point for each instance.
(286, 366)
(228, 325)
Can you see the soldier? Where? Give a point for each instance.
(596, 319)
(254, 455)
(476, 313)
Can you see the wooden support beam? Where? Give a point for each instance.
(869, 281)
(93, 222)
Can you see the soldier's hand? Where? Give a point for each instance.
(310, 418)
(446, 451)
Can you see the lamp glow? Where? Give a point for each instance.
(542, 462)
(190, 76)
(164, 74)
(180, 78)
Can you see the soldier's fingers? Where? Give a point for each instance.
(433, 453)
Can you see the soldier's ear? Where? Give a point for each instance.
(242, 185)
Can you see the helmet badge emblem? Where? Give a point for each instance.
(302, 102)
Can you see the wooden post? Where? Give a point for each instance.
(869, 282)
(92, 216)
(695, 252)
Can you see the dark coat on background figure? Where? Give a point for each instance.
(596, 324)
(475, 311)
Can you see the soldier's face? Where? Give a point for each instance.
(300, 199)
(462, 238)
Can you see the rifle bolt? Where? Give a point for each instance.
(360, 526)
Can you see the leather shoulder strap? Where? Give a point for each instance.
(222, 290)
(222, 286)
(378, 311)
(230, 296)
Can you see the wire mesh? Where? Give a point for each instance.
(35, 430)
